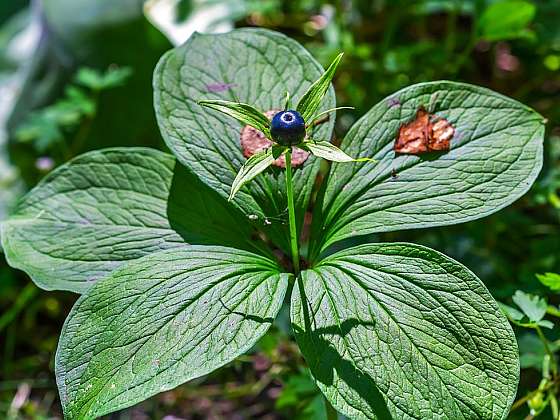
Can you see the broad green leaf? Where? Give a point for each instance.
(255, 165)
(311, 100)
(495, 156)
(160, 321)
(252, 66)
(107, 207)
(550, 280)
(246, 114)
(532, 306)
(329, 151)
(402, 331)
(507, 19)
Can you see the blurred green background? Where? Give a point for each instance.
(75, 75)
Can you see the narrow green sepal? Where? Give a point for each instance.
(244, 113)
(310, 101)
(288, 102)
(316, 118)
(329, 151)
(255, 165)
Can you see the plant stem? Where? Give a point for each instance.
(28, 293)
(291, 212)
(548, 351)
(521, 401)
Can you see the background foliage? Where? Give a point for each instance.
(76, 76)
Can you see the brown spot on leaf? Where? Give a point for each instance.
(253, 141)
(426, 133)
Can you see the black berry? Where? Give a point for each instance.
(287, 128)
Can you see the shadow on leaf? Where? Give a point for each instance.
(324, 359)
(255, 318)
(202, 217)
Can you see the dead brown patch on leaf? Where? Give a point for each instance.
(426, 133)
(254, 141)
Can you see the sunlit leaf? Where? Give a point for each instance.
(105, 208)
(399, 331)
(160, 321)
(254, 68)
(495, 156)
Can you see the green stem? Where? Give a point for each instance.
(26, 295)
(548, 351)
(291, 212)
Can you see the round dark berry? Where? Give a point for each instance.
(287, 128)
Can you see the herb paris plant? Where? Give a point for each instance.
(288, 128)
(178, 281)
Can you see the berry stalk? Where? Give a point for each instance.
(291, 212)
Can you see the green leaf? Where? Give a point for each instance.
(96, 80)
(47, 126)
(531, 351)
(546, 324)
(246, 114)
(402, 331)
(100, 34)
(550, 280)
(255, 165)
(532, 306)
(107, 207)
(507, 19)
(252, 66)
(495, 156)
(311, 100)
(329, 151)
(512, 313)
(160, 321)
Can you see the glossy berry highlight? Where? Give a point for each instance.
(287, 128)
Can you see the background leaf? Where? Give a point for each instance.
(107, 207)
(402, 331)
(494, 159)
(532, 306)
(507, 19)
(550, 280)
(161, 321)
(257, 67)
